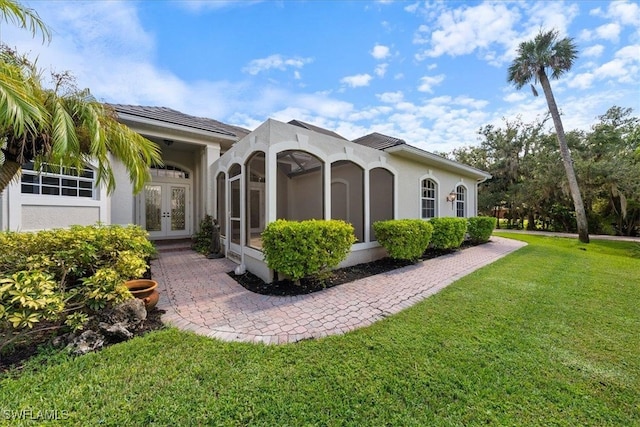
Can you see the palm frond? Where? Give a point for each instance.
(23, 17)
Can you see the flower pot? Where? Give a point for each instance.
(144, 289)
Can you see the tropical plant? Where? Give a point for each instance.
(534, 58)
(63, 126)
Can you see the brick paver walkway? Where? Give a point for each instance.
(199, 296)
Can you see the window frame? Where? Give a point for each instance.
(424, 209)
(461, 201)
(58, 183)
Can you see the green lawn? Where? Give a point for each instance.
(549, 335)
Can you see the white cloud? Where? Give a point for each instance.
(380, 52)
(428, 82)
(581, 81)
(357, 80)
(609, 32)
(514, 97)
(461, 31)
(277, 62)
(595, 51)
(381, 70)
(390, 97)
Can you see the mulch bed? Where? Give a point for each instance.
(15, 358)
(332, 278)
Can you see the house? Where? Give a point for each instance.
(246, 180)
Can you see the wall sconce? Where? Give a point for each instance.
(451, 198)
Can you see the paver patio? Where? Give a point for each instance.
(198, 295)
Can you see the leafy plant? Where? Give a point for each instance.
(59, 278)
(404, 238)
(480, 228)
(448, 232)
(202, 239)
(302, 248)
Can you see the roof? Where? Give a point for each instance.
(168, 115)
(399, 147)
(378, 141)
(316, 129)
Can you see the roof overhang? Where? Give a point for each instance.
(416, 154)
(163, 129)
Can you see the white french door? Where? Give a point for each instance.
(166, 210)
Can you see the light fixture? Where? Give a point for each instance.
(451, 198)
(167, 142)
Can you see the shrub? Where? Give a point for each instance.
(53, 278)
(448, 232)
(404, 238)
(202, 239)
(303, 248)
(480, 228)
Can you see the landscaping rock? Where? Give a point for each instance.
(131, 314)
(116, 332)
(86, 342)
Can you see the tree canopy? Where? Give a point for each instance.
(529, 184)
(61, 125)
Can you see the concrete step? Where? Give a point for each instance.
(175, 245)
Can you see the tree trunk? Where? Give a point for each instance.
(581, 217)
(9, 170)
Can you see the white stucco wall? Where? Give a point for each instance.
(408, 169)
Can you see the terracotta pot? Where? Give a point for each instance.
(144, 289)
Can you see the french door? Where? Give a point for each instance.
(167, 210)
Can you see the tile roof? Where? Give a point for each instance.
(316, 129)
(171, 116)
(378, 141)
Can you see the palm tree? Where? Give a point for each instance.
(535, 57)
(63, 126)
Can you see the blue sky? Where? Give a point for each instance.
(431, 73)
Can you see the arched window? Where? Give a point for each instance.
(56, 181)
(300, 186)
(168, 171)
(347, 195)
(380, 197)
(461, 201)
(428, 198)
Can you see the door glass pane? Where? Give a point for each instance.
(153, 207)
(235, 231)
(235, 198)
(178, 208)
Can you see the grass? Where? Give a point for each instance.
(546, 336)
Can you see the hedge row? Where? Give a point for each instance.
(409, 238)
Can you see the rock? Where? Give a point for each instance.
(86, 342)
(130, 314)
(116, 332)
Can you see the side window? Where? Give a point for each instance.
(54, 181)
(428, 198)
(461, 200)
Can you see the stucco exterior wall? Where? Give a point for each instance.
(38, 217)
(296, 198)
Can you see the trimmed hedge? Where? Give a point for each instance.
(404, 238)
(480, 228)
(303, 248)
(448, 232)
